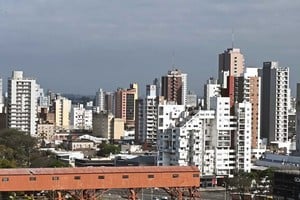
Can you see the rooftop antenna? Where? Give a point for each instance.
(232, 38)
(173, 60)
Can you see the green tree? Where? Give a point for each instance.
(107, 149)
(241, 183)
(46, 159)
(17, 146)
(18, 149)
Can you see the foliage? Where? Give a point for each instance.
(259, 181)
(18, 149)
(107, 149)
(241, 183)
(46, 159)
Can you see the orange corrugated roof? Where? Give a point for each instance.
(91, 170)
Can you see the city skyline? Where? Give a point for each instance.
(79, 47)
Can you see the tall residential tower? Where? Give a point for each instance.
(275, 99)
(22, 103)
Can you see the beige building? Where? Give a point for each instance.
(118, 128)
(232, 60)
(46, 131)
(62, 113)
(80, 145)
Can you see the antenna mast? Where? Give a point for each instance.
(232, 38)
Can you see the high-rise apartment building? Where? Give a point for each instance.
(100, 100)
(125, 100)
(151, 104)
(1, 97)
(223, 128)
(81, 118)
(146, 115)
(275, 100)
(174, 86)
(62, 113)
(169, 116)
(232, 60)
(22, 103)
(1, 91)
(243, 136)
(103, 125)
(109, 102)
(211, 89)
(252, 94)
(298, 119)
(231, 68)
(184, 143)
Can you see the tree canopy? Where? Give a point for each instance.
(107, 149)
(18, 149)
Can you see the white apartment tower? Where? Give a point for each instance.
(1, 96)
(22, 103)
(100, 100)
(150, 116)
(298, 119)
(211, 89)
(221, 136)
(1, 91)
(185, 143)
(81, 118)
(275, 100)
(242, 140)
(169, 116)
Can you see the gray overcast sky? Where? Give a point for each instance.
(79, 46)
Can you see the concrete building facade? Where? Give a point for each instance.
(223, 128)
(100, 100)
(232, 60)
(103, 125)
(243, 136)
(211, 89)
(22, 103)
(298, 119)
(275, 100)
(81, 118)
(174, 86)
(252, 94)
(62, 107)
(125, 100)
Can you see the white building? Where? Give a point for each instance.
(100, 100)
(150, 110)
(275, 100)
(81, 118)
(184, 88)
(298, 119)
(252, 94)
(211, 89)
(243, 136)
(22, 103)
(169, 116)
(1, 96)
(221, 136)
(1, 91)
